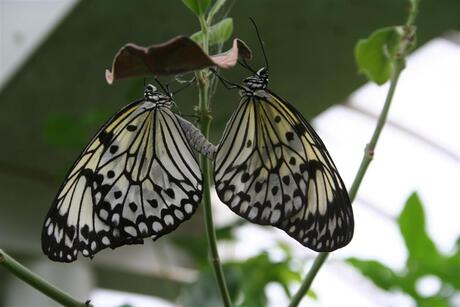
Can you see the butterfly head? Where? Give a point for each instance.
(153, 95)
(259, 81)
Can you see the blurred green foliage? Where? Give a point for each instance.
(63, 130)
(424, 259)
(197, 246)
(257, 272)
(246, 281)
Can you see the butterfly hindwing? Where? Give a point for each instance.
(157, 183)
(326, 222)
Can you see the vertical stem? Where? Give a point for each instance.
(205, 124)
(37, 282)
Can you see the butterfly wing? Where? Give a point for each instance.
(71, 225)
(326, 222)
(153, 185)
(77, 221)
(272, 168)
(260, 164)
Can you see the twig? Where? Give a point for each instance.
(38, 283)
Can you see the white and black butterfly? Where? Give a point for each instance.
(137, 178)
(273, 169)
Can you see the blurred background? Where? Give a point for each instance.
(53, 97)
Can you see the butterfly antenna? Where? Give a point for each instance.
(228, 85)
(144, 81)
(161, 86)
(260, 41)
(169, 92)
(246, 65)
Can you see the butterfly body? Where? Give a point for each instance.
(137, 178)
(273, 169)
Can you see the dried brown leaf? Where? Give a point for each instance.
(177, 56)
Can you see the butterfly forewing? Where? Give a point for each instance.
(260, 165)
(159, 184)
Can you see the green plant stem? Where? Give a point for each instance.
(205, 124)
(413, 11)
(399, 65)
(370, 147)
(37, 282)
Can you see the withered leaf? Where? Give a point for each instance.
(177, 56)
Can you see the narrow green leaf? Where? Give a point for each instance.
(375, 54)
(421, 248)
(199, 7)
(381, 275)
(215, 8)
(218, 33)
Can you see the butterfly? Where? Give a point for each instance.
(272, 168)
(137, 178)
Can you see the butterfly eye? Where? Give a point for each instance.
(150, 88)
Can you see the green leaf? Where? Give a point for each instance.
(215, 8)
(257, 272)
(218, 33)
(449, 269)
(381, 275)
(199, 7)
(422, 250)
(375, 54)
